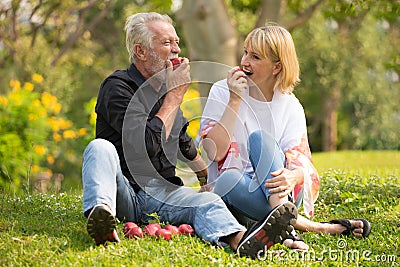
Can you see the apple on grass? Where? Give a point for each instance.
(151, 229)
(164, 233)
(129, 225)
(132, 230)
(185, 229)
(174, 229)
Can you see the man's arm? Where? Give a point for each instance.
(199, 167)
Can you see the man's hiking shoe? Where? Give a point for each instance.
(273, 229)
(101, 225)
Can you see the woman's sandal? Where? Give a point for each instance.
(349, 228)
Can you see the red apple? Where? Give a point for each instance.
(164, 233)
(239, 69)
(151, 229)
(176, 62)
(134, 232)
(129, 225)
(174, 230)
(185, 229)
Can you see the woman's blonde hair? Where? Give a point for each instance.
(275, 43)
(137, 31)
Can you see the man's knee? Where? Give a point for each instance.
(100, 146)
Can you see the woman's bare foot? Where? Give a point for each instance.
(336, 229)
(295, 244)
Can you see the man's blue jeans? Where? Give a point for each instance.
(244, 194)
(104, 183)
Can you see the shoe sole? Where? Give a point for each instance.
(101, 225)
(276, 227)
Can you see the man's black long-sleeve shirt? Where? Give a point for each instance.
(126, 108)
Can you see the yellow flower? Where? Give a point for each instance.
(29, 86)
(3, 101)
(37, 78)
(42, 112)
(15, 98)
(191, 104)
(191, 94)
(40, 150)
(64, 124)
(57, 137)
(32, 117)
(82, 131)
(193, 128)
(54, 124)
(35, 168)
(93, 118)
(59, 123)
(50, 159)
(36, 103)
(15, 85)
(69, 134)
(57, 108)
(49, 101)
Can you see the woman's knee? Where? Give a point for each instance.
(262, 148)
(227, 181)
(260, 137)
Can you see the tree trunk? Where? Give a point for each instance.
(209, 36)
(208, 31)
(269, 11)
(329, 124)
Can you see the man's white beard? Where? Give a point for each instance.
(157, 68)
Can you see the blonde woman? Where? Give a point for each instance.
(254, 131)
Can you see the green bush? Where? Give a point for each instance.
(33, 133)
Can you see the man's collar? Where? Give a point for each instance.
(139, 79)
(135, 75)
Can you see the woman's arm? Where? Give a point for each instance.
(218, 139)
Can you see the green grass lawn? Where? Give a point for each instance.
(49, 229)
(384, 163)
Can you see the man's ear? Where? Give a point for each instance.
(139, 51)
(277, 68)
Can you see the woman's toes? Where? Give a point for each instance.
(358, 231)
(357, 224)
(295, 244)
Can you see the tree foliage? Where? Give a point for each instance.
(348, 58)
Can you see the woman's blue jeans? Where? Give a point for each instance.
(246, 195)
(104, 183)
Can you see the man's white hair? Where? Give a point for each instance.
(137, 31)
